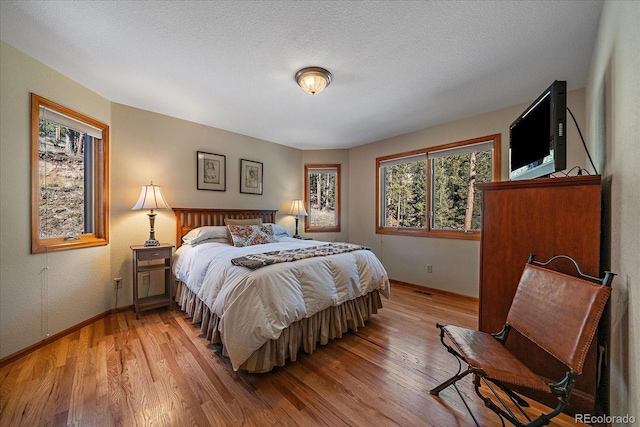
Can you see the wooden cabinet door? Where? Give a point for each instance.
(546, 217)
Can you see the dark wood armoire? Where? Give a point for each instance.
(546, 217)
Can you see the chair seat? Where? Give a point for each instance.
(482, 351)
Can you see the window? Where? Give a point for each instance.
(322, 197)
(404, 199)
(69, 178)
(432, 192)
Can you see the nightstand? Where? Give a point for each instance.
(147, 259)
(303, 238)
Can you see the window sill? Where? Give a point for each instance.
(60, 244)
(440, 234)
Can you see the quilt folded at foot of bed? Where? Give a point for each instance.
(256, 261)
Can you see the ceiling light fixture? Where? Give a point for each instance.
(313, 79)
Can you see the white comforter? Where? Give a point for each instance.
(255, 306)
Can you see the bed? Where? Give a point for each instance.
(263, 317)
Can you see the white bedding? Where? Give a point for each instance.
(254, 306)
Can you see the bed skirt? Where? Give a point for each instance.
(304, 334)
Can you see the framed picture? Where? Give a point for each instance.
(250, 177)
(212, 171)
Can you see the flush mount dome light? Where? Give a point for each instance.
(313, 79)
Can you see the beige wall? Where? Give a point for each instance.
(455, 262)
(44, 293)
(613, 111)
(48, 293)
(153, 147)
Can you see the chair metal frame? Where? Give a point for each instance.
(562, 388)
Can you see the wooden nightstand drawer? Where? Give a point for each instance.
(151, 254)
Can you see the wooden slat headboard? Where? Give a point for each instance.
(189, 218)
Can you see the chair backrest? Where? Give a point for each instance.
(558, 312)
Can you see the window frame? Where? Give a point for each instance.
(307, 198)
(427, 231)
(99, 191)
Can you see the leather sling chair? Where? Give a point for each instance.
(557, 312)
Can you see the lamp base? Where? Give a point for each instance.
(152, 234)
(296, 235)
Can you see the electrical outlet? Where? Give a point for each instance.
(117, 283)
(429, 268)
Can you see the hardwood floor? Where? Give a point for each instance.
(158, 370)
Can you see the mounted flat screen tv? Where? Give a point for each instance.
(537, 145)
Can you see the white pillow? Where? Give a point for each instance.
(222, 240)
(219, 233)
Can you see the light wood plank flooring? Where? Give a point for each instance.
(159, 370)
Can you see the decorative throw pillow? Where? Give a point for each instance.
(232, 221)
(249, 235)
(252, 221)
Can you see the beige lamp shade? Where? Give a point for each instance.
(150, 198)
(297, 208)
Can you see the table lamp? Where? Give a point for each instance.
(151, 198)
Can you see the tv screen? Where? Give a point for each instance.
(537, 145)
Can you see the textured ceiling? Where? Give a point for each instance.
(397, 66)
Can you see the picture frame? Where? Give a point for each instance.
(212, 171)
(250, 177)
